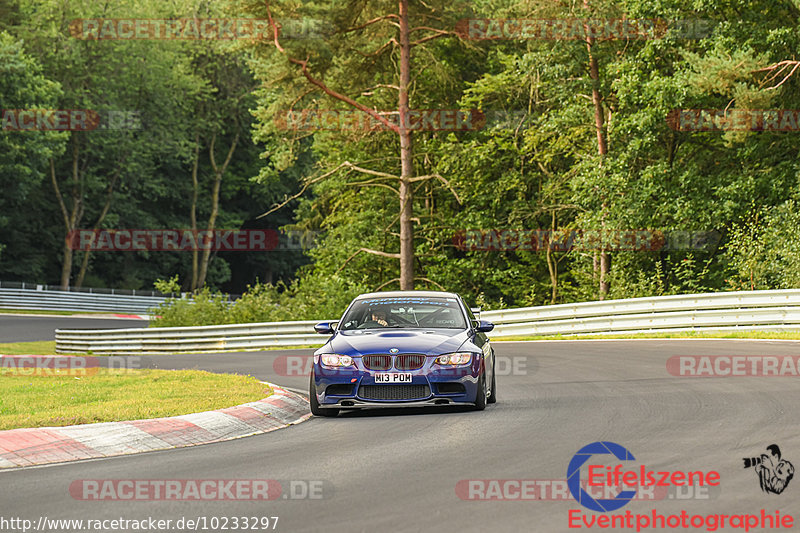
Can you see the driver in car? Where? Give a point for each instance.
(378, 316)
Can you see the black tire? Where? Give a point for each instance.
(316, 410)
(480, 398)
(493, 395)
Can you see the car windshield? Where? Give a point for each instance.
(411, 312)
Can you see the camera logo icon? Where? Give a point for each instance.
(774, 473)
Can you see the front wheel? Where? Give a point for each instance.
(316, 410)
(493, 395)
(480, 397)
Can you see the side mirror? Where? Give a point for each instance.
(484, 326)
(324, 328)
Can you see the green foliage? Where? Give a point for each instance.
(311, 299)
(168, 286)
(764, 249)
(204, 308)
(540, 171)
(24, 156)
(180, 89)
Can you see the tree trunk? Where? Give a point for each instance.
(405, 180)
(406, 158)
(605, 266)
(84, 268)
(212, 221)
(602, 147)
(193, 210)
(212, 218)
(109, 195)
(552, 265)
(66, 267)
(70, 217)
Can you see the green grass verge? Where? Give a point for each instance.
(28, 348)
(301, 347)
(778, 335)
(116, 395)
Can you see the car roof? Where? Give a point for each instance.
(402, 294)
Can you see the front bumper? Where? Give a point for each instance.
(355, 403)
(443, 385)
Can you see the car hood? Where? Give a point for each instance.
(431, 342)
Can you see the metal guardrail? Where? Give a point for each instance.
(225, 338)
(761, 310)
(720, 311)
(57, 300)
(90, 290)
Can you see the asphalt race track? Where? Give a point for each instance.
(21, 328)
(398, 470)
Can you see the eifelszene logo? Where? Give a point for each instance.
(774, 473)
(606, 476)
(574, 476)
(611, 477)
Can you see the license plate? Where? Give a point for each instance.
(393, 378)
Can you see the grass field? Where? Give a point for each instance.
(28, 348)
(115, 395)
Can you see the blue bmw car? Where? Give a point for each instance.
(403, 349)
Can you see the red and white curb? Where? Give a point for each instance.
(37, 446)
(136, 317)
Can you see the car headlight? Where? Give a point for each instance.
(336, 360)
(451, 359)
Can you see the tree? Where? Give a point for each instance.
(111, 78)
(381, 37)
(24, 155)
(220, 115)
